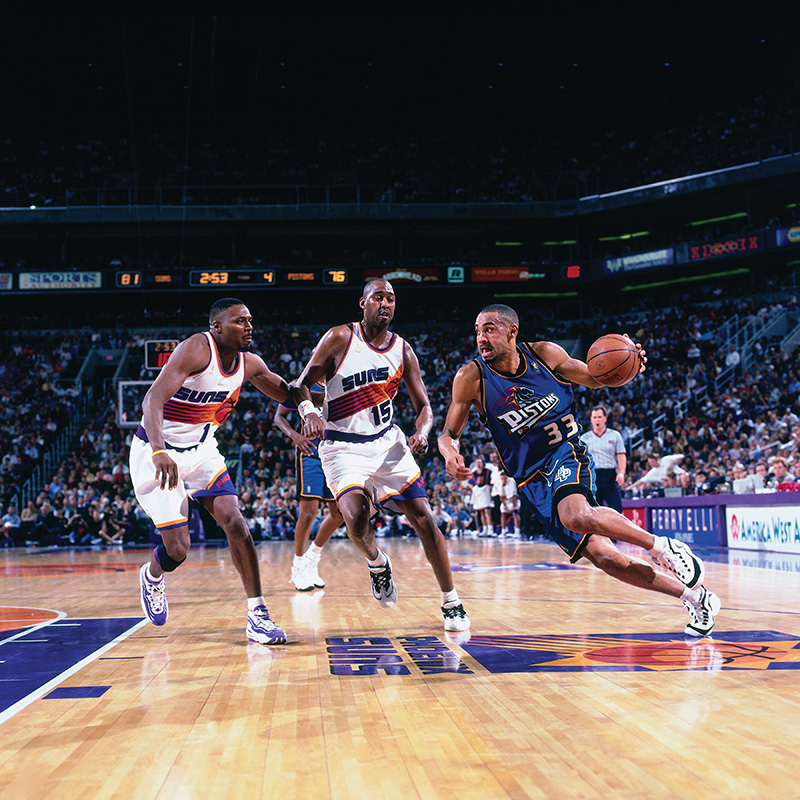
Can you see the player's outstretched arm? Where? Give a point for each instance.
(418, 441)
(557, 358)
(265, 380)
(465, 394)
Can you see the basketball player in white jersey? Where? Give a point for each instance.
(174, 455)
(364, 455)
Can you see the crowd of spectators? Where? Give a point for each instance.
(521, 166)
(687, 429)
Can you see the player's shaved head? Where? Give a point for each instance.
(370, 286)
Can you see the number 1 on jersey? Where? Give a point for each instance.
(382, 413)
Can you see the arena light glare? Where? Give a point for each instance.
(622, 237)
(508, 244)
(736, 215)
(538, 294)
(558, 244)
(708, 276)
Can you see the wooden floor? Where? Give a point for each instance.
(571, 685)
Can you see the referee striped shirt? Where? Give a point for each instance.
(604, 449)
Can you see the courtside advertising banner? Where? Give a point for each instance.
(773, 528)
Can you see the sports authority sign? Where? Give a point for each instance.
(774, 528)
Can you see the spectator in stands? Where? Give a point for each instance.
(10, 524)
(443, 519)
(779, 473)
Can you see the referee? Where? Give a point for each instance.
(608, 451)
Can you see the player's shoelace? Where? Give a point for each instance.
(156, 595)
(456, 612)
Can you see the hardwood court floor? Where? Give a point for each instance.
(571, 685)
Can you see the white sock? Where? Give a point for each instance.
(314, 552)
(150, 577)
(255, 602)
(691, 595)
(380, 561)
(450, 598)
(659, 545)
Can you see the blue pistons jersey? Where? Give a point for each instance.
(529, 415)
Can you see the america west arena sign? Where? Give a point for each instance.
(774, 528)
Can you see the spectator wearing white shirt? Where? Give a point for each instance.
(509, 506)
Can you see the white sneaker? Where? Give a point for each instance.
(682, 563)
(261, 629)
(301, 577)
(455, 618)
(383, 588)
(702, 613)
(153, 597)
(312, 570)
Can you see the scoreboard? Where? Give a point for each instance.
(163, 280)
(203, 278)
(157, 351)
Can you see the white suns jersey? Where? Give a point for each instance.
(358, 398)
(204, 402)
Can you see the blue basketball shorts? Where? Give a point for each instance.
(569, 470)
(311, 479)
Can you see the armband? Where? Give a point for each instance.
(289, 402)
(156, 452)
(306, 407)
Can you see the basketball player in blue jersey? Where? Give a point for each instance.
(311, 492)
(363, 453)
(524, 395)
(174, 455)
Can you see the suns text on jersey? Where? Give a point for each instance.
(378, 375)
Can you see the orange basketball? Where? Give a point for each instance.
(613, 360)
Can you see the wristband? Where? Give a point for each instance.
(156, 452)
(306, 407)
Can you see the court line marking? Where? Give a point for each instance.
(38, 626)
(51, 684)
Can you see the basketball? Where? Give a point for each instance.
(613, 360)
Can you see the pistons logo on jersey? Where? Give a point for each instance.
(524, 408)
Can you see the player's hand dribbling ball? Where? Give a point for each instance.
(613, 360)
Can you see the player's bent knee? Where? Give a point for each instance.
(166, 561)
(580, 521)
